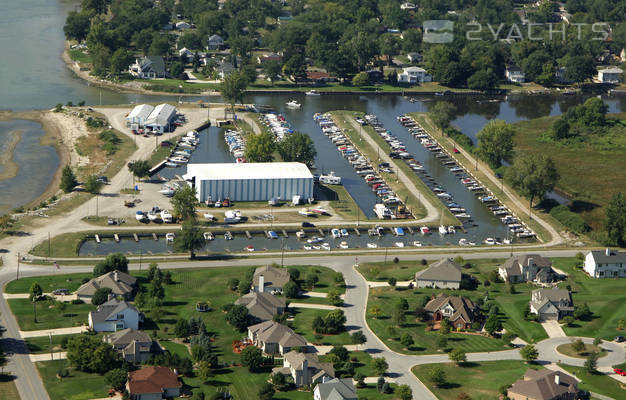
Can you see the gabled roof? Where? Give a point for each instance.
(540, 297)
(126, 336)
(141, 111)
(273, 332)
(601, 257)
(443, 270)
(154, 63)
(152, 380)
(216, 38)
(463, 308)
(542, 385)
(273, 277)
(108, 311)
(514, 264)
(340, 389)
(119, 282)
(261, 305)
(414, 69)
(295, 359)
(612, 70)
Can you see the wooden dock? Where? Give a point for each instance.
(155, 237)
(135, 237)
(116, 237)
(248, 235)
(321, 232)
(356, 230)
(285, 234)
(410, 229)
(97, 238)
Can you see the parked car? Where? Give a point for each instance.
(308, 224)
(166, 143)
(619, 339)
(60, 291)
(619, 371)
(103, 179)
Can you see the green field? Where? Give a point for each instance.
(589, 348)
(48, 317)
(41, 344)
(302, 324)
(598, 383)
(481, 381)
(401, 271)
(78, 386)
(48, 283)
(8, 390)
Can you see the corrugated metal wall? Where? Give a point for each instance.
(255, 189)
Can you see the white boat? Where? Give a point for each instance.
(490, 241)
(344, 245)
(293, 104)
(167, 191)
(306, 213)
(178, 160)
(330, 179)
(316, 247)
(335, 233)
(153, 216)
(301, 234)
(209, 216)
(208, 236)
(312, 92)
(140, 216)
(398, 244)
(443, 230)
(325, 246)
(344, 232)
(228, 236)
(166, 216)
(382, 212)
(372, 245)
(169, 237)
(463, 242)
(249, 248)
(451, 229)
(417, 243)
(424, 230)
(307, 247)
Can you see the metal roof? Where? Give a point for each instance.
(142, 111)
(231, 171)
(161, 115)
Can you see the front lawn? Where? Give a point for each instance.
(481, 381)
(302, 324)
(41, 344)
(598, 383)
(48, 317)
(48, 283)
(401, 271)
(78, 386)
(8, 390)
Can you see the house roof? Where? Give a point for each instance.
(273, 332)
(601, 257)
(161, 115)
(514, 68)
(273, 277)
(542, 385)
(119, 282)
(152, 380)
(295, 359)
(108, 311)
(443, 270)
(513, 265)
(154, 63)
(342, 389)
(463, 308)
(141, 111)
(315, 75)
(261, 305)
(414, 69)
(216, 39)
(126, 336)
(612, 70)
(554, 296)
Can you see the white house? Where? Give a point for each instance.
(408, 6)
(114, 315)
(514, 74)
(185, 54)
(215, 42)
(414, 75)
(610, 75)
(605, 264)
(335, 389)
(150, 67)
(161, 118)
(182, 25)
(551, 304)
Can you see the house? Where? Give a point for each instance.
(269, 57)
(551, 304)
(414, 57)
(444, 274)
(134, 346)
(181, 25)
(527, 268)
(461, 312)
(153, 383)
(185, 54)
(120, 283)
(305, 368)
(408, 6)
(622, 55)
(274, 338)
(610, 75)
(514, 74)
(114, 315)
(320, 77)
(605, 264)
(262, 306)
(544, 385)
(335, 389)
(412, 75)
(270, 279)
(150, 67)
(215, 42)
(224, 68)
(375, 75)
(137, 117)
(161, 118)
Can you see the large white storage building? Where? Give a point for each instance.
(250, 181)
(161, 118)
(138, 116)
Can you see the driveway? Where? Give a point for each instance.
(553, 329)
(60, 331)
(547, 352)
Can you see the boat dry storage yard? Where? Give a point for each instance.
(250, 181)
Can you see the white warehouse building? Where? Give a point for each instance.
(138, 116)
(161, 118)
(250, 181)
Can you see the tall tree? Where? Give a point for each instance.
(533, 175)
(260, 148)
(297, 147)
(77, 26)
(120, 60)
(272, 70)
(233, 87)
(68, 179)
(389, 45)
(35, 292)
(93, 184)
(442, 113)
(529, 353)
(139, 168)
(112, 262)
(184, 203)
(615, 222)
(495, 142)
(189, 239)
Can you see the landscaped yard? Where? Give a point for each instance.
(78, 386)
(598, 383)
(48, 283)
(481, 381)
(402, 271)
(41, 344)
(302, 324)
(48, 317)
(589, 348)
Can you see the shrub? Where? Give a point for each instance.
(571, 220)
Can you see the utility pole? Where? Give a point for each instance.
(35, 308)
(140, 253)
(48, 244)
(51, 353)
(386, 249)
(282, 254)
(18, 267)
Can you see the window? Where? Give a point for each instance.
(120, 316)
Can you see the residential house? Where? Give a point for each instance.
(153, 383)
(181, 25)
(320, 77)
(275, 338)
(150, 67)
(375, 75)
(215, 42)
(335, 389)
(161, 118)
(544, 384)
(551, 304)
(444, 274)
(224, 68)
(270, 279)
(610, 75)
(262, 306)
(408, 6)
(134, 346)
(137, 117)
(514, 74)
(605, 264)
(461, 312)
(114, 315)
(622, 55)
(284, 18)
(527, 268)
(186, 55)
(120, 283)
(413, 75)
(305, 369)
(262, 59)
(414, 57)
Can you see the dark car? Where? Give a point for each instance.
(307, 225)
(60, 291)
(619, 339)
(103, 179)
(166, 143)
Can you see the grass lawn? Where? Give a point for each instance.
(326, 279)
(402, 271)
(78, 386)
(80, 56)
(48, 283)
(238, 380)
(8, 390)
(63, 245)
(302, 324)
(481, 381)
(589, 348)
(175, 348)
(342, 202)
(362, 362)
(48, 318)
(41, 344)
(598, 383)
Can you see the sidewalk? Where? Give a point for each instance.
(372, 284)
(59, 355)
(313, 306)
(320, 295)
(53, 332)
(60, 297)
(322, 350)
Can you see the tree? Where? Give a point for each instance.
(397, 315)
(340, 352)
(579, 68)
(232, 88)
(578, 346)
(389, 45)
(88, 353)
(297, 147)
(334, 297)
(442, 342)
(311, 280)
(6, 221)
(295, 67)
(272, 70)
(495, 142)
(529, 353)
(445, 326)
(260, 148)
(237, 316)
(116, 378)
(407, 340)
(252, 357)
(266, 392)
(380, 366)
(93, 185)
(457, 355)
(76, 26)
(189, 239)
(437, 376)
(318, 325)
(177, 70)
(112, 262)
(120, 60)
(68, 179)
(181, 329)
(404, 392)
(101, 296)
(184, 203)
(334, 321)
(139, 168)
(591, 363)
(493, 324)
(361, 79)
(358, 337)
(615, 222)
(582, 312)
(35, 292)
(568, 320)
(290, 290)
(442, 113)
(482, 80)
(392, 281)
(533, 175)
(560, 129)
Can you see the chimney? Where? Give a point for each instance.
(261, 287)
(305, 372)
(557, 378)
(607, 252)
(115, 276)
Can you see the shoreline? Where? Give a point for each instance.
(52, 134)
(6, 158)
